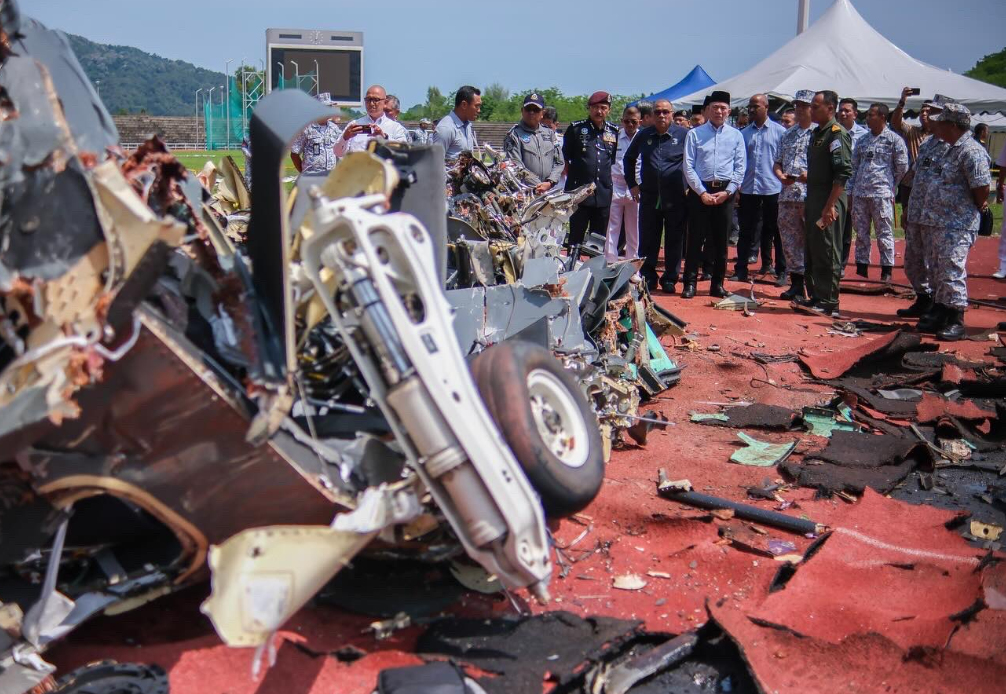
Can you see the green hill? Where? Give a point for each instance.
(991, 68)
(132, 81)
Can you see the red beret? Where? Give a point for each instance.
(599, 98)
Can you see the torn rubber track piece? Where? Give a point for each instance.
(109, 677)
(519, 653)
(834, 364)
(932, 407)
(756, 416)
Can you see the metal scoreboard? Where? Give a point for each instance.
(316, 61)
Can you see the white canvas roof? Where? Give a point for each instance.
(842, 52)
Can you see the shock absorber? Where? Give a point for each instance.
(442, 456)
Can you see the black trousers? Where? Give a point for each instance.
(754, 209)
(593, 218)
(669, 219)
(708, 232)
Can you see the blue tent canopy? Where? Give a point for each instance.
(692, 82)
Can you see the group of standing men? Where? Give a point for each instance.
(805, 186)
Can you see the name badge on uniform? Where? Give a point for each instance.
(835, 146)
(869, 155)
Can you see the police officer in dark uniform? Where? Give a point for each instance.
(589, 149)
(829, 165)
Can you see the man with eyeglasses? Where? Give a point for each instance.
(455, 130)
(660, 192)
(714, 164)
(535, 147)
(361, 131)
(623, 205)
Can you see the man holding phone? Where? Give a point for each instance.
(375, 124)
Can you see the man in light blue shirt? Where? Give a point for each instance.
(715, 161)
(455, 130)
(760, 192)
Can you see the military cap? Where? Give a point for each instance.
(599, 98)
(953, 113)
(804, 96)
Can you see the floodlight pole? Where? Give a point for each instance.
(244, 95)
(210, 126)
(197, 113)
(296, 73)
(802, 16)
(227, 76)
(317, 77)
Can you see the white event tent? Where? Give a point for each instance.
(842, 52)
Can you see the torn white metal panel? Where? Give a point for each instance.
(261, 577)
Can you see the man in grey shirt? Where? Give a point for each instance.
(455, 131)
(535, 146)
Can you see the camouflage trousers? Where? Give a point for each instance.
(793, 235)
(947, 251)
(916, 259)
(880, 211)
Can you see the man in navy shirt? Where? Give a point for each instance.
(661, 193)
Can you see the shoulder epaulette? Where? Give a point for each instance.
(836, 128)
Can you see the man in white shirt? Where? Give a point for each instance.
(375, 124)
(1000, 194)
(623, 206)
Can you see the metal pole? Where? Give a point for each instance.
(296, 73)
(802, 16)
(227, 76)
(209, 126)
(244, 95)
(282, 73)
(197, 113)
(317, 77)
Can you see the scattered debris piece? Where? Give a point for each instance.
(827, 365)
(742, 511)
(621, 678)
(629, 582)
(761, 453)
(986, 531)
(758, 416)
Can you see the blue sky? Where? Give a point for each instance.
(625, 48)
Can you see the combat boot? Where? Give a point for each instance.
(885, 273)
(933, 320)
(863, 269)
(923, 302)
(795, 290)
(953, 327)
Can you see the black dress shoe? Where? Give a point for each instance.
(765, 270)
(667, 286)
(689, 291)
(717, 291)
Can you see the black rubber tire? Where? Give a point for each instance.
(500, 373)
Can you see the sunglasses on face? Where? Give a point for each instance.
(661, 112)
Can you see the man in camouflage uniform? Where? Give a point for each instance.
(879, 162)
(917, 183)
(829, 165)
(314, 151)
(534, 146)
(791, 168)
(950, 217)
